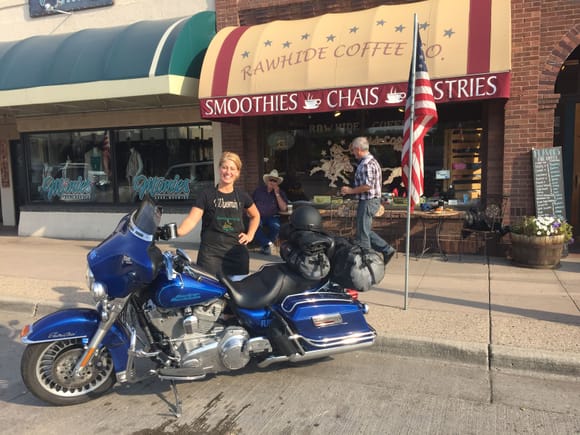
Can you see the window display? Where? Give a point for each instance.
(313, 152)
(462, 157)
(119, 166)
(69, 167)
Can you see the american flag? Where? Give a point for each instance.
(425, 118)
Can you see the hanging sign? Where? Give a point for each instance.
(42, 8)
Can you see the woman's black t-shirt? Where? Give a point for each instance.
(221, 224)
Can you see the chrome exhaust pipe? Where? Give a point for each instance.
(314, 354)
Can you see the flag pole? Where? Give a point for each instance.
(410, 173)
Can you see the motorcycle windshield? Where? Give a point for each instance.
(148, 216)
(129, 259)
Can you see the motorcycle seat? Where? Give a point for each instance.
(270, 284)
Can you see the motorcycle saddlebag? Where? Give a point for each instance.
(327, 320)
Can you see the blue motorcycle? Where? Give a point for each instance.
(160, 306)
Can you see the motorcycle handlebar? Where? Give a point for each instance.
(166, 232)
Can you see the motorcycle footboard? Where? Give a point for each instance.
(327, 320)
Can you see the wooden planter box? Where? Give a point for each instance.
(537, 252)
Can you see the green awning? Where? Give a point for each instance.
(142, 59)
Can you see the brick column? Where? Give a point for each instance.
(522, 128)
(544, 33)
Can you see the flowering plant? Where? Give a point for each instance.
(543, 226)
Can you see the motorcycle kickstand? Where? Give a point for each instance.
(177, 409)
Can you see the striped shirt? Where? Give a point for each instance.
(369, 172)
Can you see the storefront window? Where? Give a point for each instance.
(70, 167)
(313, 152)
(108, 166)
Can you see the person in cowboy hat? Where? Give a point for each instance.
(270, 200)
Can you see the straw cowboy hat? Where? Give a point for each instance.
(273, 174)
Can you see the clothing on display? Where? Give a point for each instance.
(134, 165)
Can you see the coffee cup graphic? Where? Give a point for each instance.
(312, 103)
(395, 97)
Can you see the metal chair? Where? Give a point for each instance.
(485, 223)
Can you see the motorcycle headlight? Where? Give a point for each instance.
(97, 289)
(90, 278)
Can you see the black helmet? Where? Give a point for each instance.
(306, 217)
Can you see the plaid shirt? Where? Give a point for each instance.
(369, 172)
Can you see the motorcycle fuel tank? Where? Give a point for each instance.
(185, 289)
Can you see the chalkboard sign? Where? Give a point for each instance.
(549, 182)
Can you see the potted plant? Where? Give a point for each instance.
(538, 241)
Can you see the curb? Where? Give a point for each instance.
(495, 357)
(536, 360)
(468, 353)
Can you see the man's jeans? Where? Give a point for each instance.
(365, 236)
(268, 230)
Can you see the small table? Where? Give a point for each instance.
(440, 217)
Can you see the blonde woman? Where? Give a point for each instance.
(223, 234)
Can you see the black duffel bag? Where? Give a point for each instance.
(355, 267)
(310, 265)
(307, 252)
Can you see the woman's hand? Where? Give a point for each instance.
(244, 238)
(254, 215)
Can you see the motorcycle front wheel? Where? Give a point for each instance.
(47, 371)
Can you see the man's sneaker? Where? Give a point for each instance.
(267, 250)
(388, 254)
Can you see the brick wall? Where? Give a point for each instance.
(226, 13)
(263, 11)
(544, 33)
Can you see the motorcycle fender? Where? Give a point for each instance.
(79, 323)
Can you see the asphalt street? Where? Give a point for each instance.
(359, 392)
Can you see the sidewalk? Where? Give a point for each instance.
(495, 315)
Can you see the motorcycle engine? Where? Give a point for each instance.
(189, 327)
(199, 341)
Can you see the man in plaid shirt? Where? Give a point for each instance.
(368, 181)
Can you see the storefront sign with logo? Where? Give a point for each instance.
(66, 189)
(84, 189)
(41, 8)
(162, 188)
(479, 87)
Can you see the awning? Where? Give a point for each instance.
(357, 60)
(143, 59)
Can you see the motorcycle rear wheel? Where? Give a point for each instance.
(47, 371)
